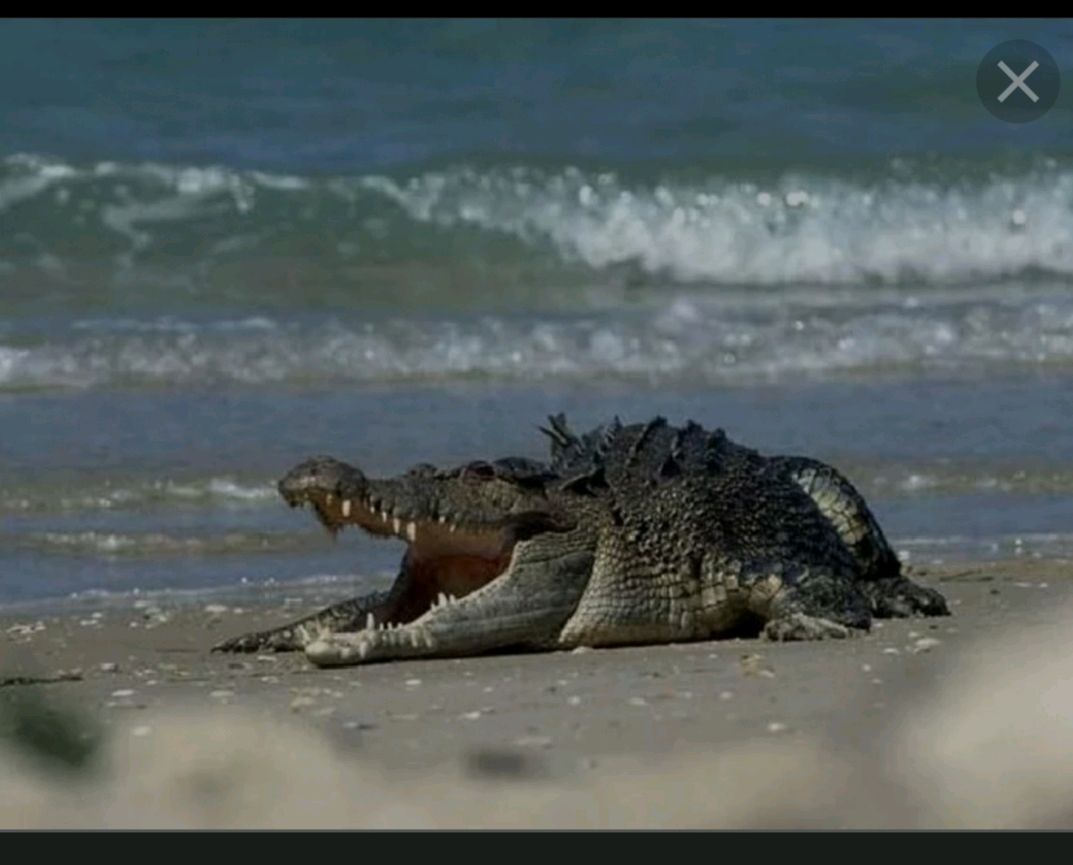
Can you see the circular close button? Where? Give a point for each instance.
(1018, 81)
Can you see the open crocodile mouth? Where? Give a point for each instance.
(442, 558)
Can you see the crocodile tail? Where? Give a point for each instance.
(844, 507)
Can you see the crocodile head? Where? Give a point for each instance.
(461, 525)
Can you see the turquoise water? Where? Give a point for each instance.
(225, 246)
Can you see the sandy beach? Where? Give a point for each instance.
(904, 727)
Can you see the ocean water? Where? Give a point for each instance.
(228, 245)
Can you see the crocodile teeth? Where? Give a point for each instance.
(328, 499)
(396, 524)
(370, 622)
(441, 600)
(411, 531)
(363, 648)
(346, 507)
(383, 516)
(442, 520)
(415, 639)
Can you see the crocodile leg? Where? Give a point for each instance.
(527, 605)
(815, 605)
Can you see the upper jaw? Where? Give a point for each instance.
(320, 478)
(341, 495)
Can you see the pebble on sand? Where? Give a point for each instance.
(533, 741)
(21, 630)
(756, 665)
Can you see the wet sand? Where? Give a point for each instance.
(862, 732)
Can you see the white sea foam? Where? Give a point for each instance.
(817, 230)
(959, 479)
(111, 544)
(212, 492)
(893, 228)
(1024, 544)
(689, 338)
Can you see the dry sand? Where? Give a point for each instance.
(964, 721)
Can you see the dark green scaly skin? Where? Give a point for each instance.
(630, 534)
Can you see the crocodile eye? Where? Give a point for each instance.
(478, 471)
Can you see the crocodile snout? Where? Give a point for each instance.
(323, 475)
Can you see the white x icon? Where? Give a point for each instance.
(1018, 81)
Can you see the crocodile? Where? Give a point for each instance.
(629, 534)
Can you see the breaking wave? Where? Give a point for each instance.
(907, 222)
(791, 230)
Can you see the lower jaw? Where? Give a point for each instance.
(440, 558)
(456, 576)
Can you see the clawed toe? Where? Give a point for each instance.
(798, 626)
(907, 599)
(338, 650)
(260, 641)
(245, 643)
